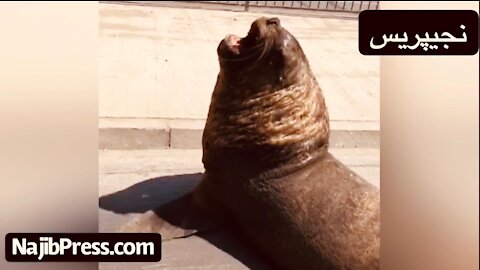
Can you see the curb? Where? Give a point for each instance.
(162, 133)
(180, 138)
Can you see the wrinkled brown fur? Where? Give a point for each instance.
(268, 170)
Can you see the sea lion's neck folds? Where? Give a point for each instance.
(293, 118)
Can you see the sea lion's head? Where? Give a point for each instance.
(269, 56)
(266, 96)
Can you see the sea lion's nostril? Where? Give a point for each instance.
(274, 21)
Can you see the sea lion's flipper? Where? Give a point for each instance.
(179, 218)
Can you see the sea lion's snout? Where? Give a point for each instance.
(232, 46)
(261, 26)
(264, 21)
(268, 56)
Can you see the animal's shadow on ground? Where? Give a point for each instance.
(150, 194)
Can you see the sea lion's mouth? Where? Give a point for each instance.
(233, 47)
(233, 43)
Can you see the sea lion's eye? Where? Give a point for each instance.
(274, 21)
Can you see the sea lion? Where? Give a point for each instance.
(268, 171)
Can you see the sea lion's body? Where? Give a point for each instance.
(268, 172)
(317, 215)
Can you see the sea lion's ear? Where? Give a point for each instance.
(176, 219)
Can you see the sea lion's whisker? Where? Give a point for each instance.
(254, 49)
